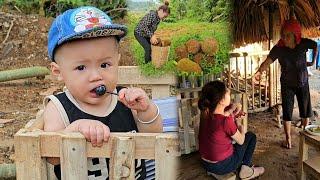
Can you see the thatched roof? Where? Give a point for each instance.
(250, 18)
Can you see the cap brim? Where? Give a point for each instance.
(119, 31)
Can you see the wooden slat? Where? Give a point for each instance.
(186, 116)
(145, 144)
(73, 158)
(29, 164)
(122, 160)
(165, 168)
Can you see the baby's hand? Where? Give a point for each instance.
(134, 98)
(94, 131)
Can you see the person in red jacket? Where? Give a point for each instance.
(218, 128)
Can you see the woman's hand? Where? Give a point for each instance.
(153, 40)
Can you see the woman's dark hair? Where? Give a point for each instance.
(211, 94)
(165, 7)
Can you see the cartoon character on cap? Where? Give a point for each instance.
(87, 18)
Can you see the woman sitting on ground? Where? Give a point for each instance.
(218, 127)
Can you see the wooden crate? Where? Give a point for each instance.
(33, 146)
(189, 116)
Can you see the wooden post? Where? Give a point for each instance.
(122, 160)
(245, 71)
(245, 109)
(266, 90)
(252, 83)
(303, 155)
(259, 88)
(29, 164)
(237, 73)
(73, 157)
(186, 116)
(271, 85)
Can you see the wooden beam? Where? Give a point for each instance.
(144, 143)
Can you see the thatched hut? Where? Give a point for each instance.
(260, 20)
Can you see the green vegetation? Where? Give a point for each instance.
(55, 7)
(182, 31)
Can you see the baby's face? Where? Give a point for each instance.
(86, 64)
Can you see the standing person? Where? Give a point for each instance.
(291, 53)
(144, 31)
(83, 46)
(218, 127)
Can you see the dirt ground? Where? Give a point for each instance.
(21, 99)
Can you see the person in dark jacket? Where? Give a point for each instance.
(144, 31)
(291, 54)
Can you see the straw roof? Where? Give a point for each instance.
(250, 18)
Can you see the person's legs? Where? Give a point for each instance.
(304, 103)
(245, 151)
(145, 43)
(287, 95)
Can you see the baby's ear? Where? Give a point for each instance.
(55, 69)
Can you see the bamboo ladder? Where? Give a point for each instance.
(33, 145)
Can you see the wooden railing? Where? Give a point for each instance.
(33, 147)
(262, 94)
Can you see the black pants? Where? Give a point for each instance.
(242, 155)
(304, 101)
(145, 43)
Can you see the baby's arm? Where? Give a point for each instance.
(94, 131)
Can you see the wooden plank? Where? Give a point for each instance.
(160, 91)
(126, 74)
(312, 166)
(122, 160)
(29, 164)
(303, 155)
(165, 166)
(145, 143)
(73, 158)
(186, 116)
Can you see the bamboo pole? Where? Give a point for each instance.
(7, 171)
(23, 73)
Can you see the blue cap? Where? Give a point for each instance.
(81, 23)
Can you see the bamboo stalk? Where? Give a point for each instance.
(23, 73)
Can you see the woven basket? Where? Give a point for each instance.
(159, 55)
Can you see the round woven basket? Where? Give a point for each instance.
(159, 55)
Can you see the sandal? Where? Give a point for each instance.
(247, 172)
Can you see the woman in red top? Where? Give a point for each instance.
(217, 130)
